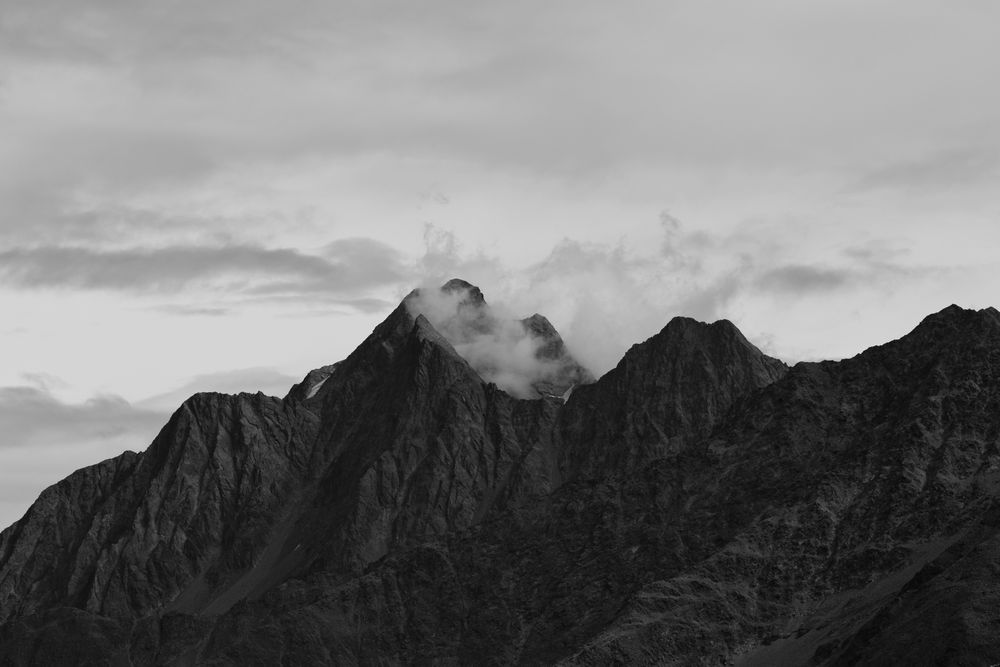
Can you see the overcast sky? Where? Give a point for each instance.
(222, 196)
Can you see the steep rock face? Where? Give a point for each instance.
(699, 504)
(665, 392)
(563, 373)
(531, 577)
(123, 537)
(837, 498)
(423, 450)
(172, 526)
(311, 383)
(400, 443)
(37, 550)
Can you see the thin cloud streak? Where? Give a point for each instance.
(348, 266)
(803, 279)
(944, 170)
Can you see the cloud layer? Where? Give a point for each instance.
(32, 417)
(346, 268)
(214, 109)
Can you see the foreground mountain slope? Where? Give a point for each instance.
(539, 573)
(699, 504)
(850, 501)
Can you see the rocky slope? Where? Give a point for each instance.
(701, 503)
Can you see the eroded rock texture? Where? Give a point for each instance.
(701, 503)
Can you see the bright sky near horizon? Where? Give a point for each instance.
(222, 196)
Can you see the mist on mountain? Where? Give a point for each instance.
(503, 350)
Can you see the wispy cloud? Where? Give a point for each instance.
(343, 270)
(802, 279)
(941, 170)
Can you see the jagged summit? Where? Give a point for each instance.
(952, 332)
(679, 385)
(955, 317)
(701, 502)
(695, 328)
(527, 358)
(471, 292)
(539, 327)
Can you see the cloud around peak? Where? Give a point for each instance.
(521, 360)
(604, 297)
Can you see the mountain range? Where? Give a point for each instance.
(460, 490)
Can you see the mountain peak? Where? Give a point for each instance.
(526, 358)
(950, 313)
(955, 321)
(472, 293)
(685, 322)
(689, 329)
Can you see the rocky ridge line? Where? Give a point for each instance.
(701, 503)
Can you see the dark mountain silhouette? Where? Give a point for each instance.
(701, 503)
